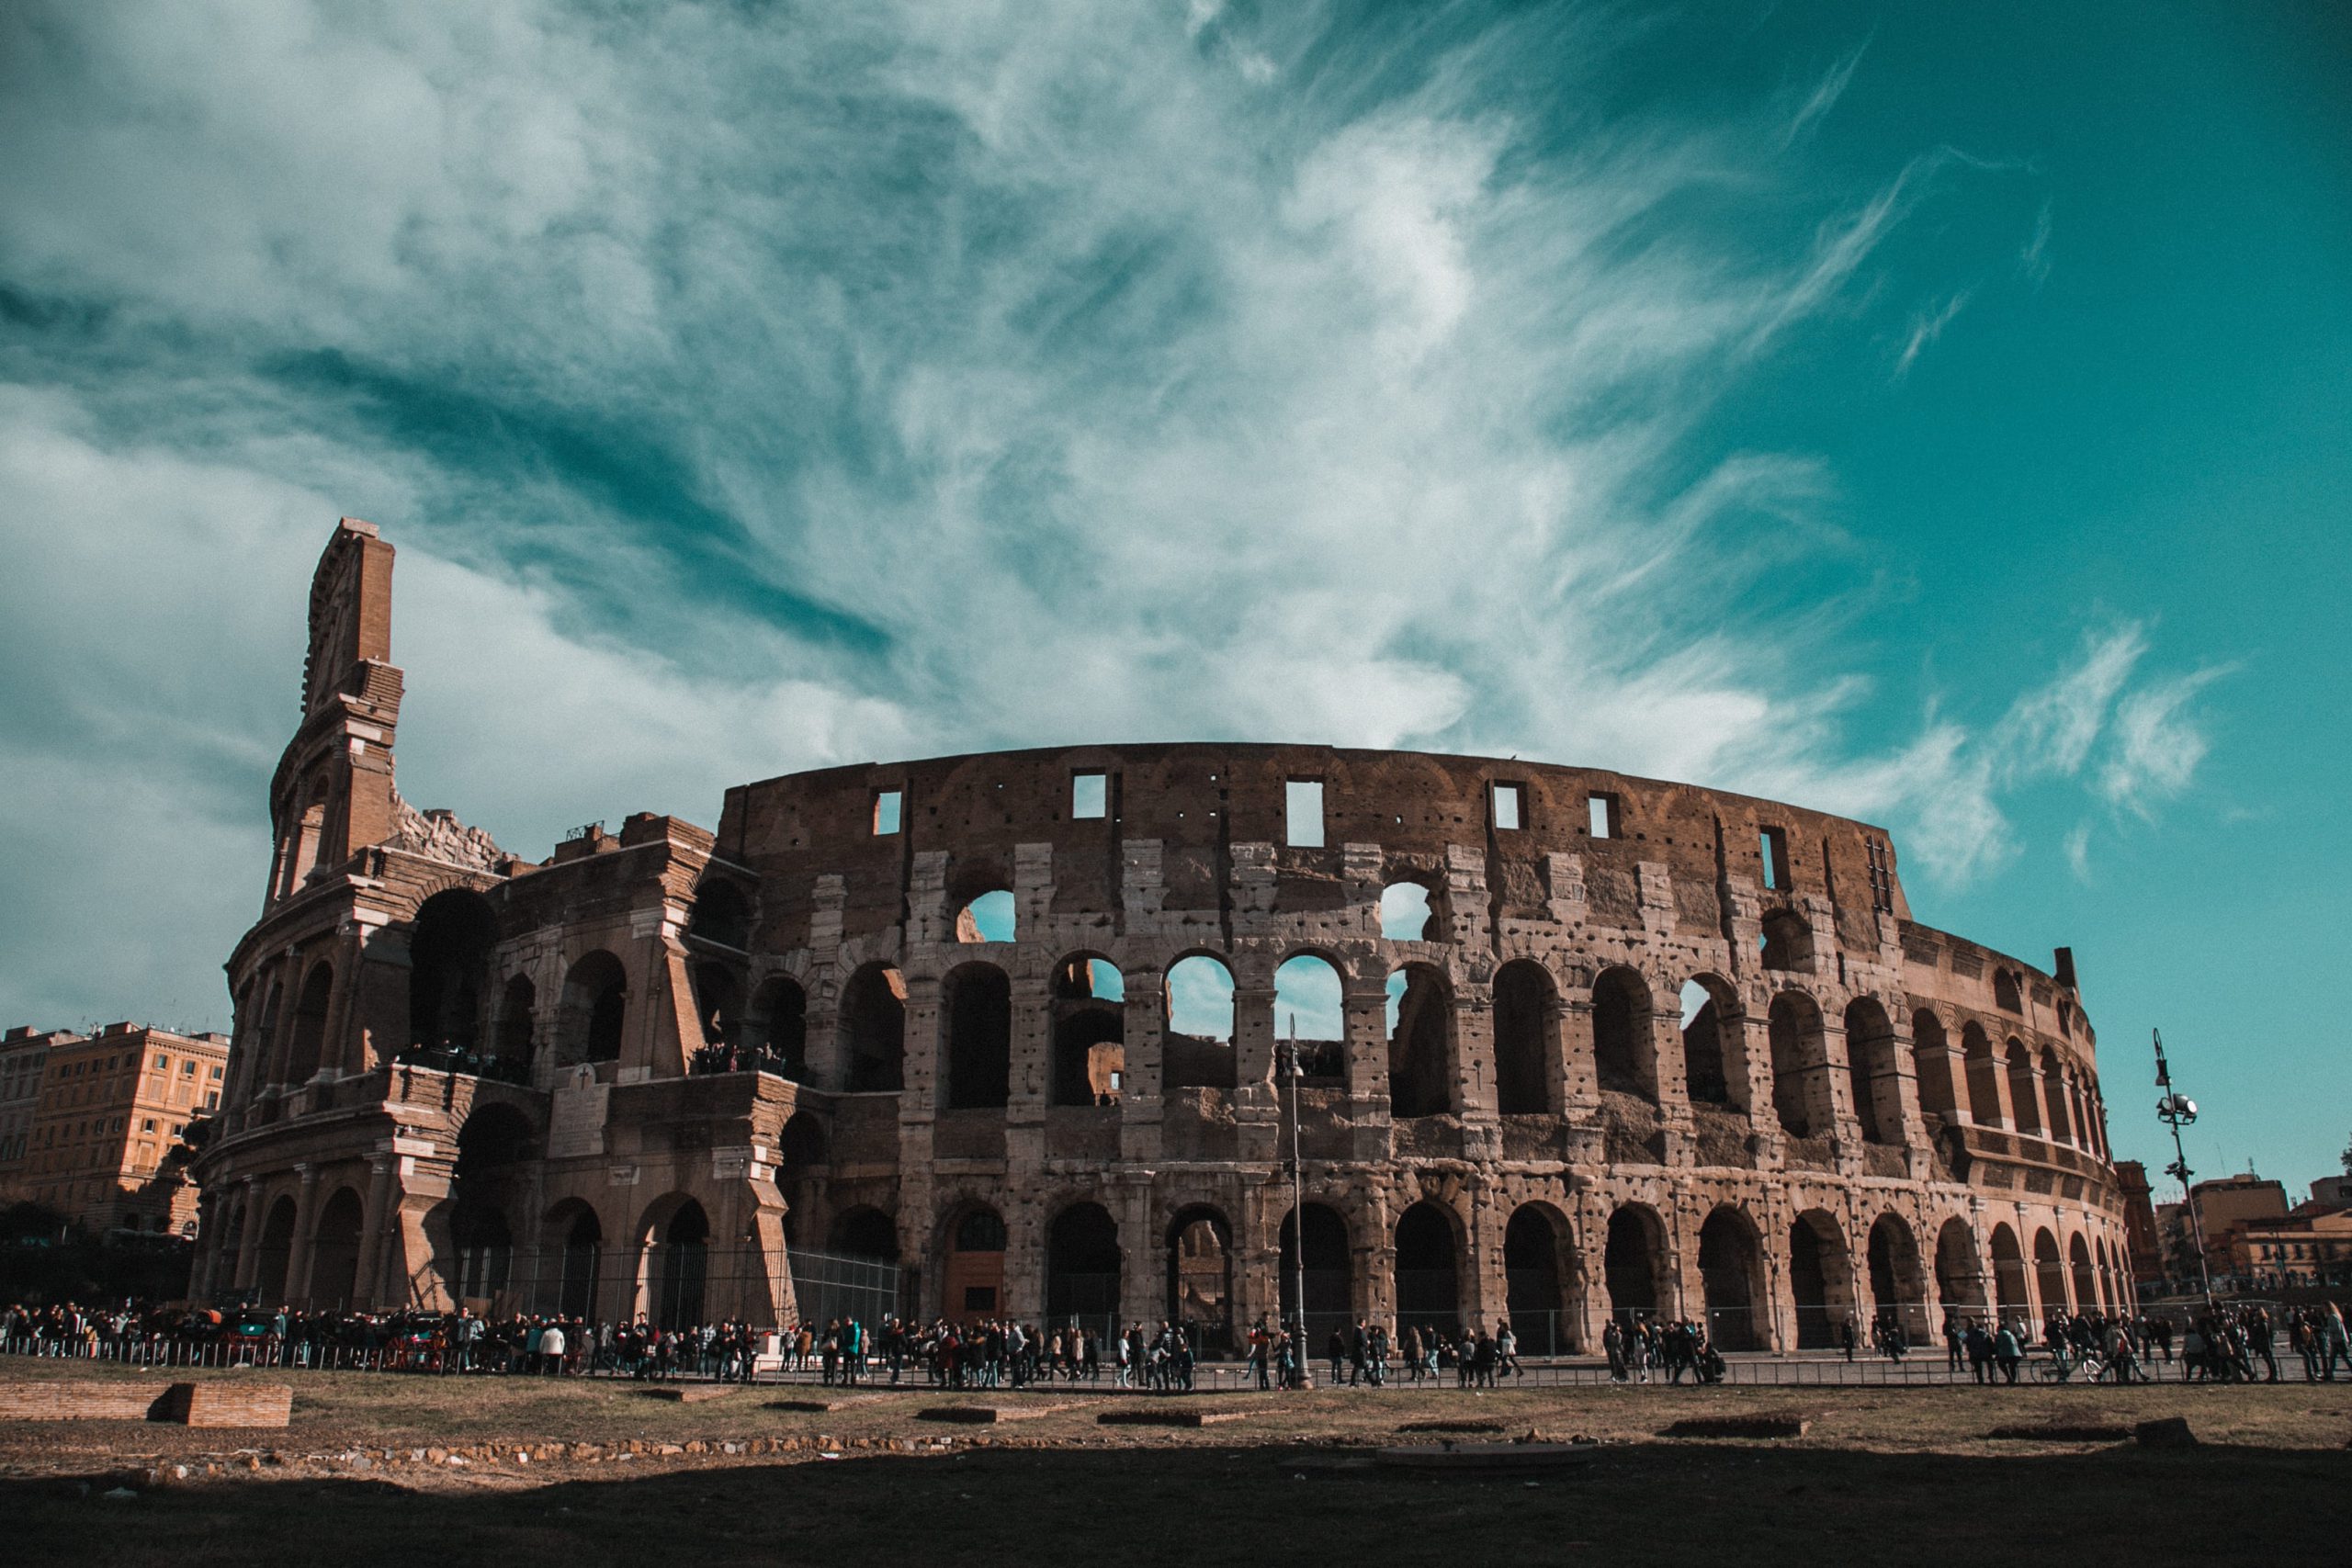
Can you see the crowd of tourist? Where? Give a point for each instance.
(2222, 1344)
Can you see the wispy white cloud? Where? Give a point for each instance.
(2034, 258)
(1925, 329)
(1830, 87)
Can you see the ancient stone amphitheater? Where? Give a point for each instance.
(1029, 1033)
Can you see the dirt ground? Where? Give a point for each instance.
(386, 1469)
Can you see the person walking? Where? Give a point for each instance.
(1612, 1345)
(2008, 1351)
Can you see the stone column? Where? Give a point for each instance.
(380, 1197)
(306, 1221)
(1142, 1095)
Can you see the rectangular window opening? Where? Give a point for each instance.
(1510, 807)
(886, 803)
(1090, 796)
(1773, 846)
(1601, 810)
(1303, 800)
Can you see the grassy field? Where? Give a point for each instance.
(1897, 1475)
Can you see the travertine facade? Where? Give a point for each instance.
(1657, 1047)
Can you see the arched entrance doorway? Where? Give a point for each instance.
(2008, 1276)
(1633, 1264)
(1537, 1280)
(334, 1253)
(581, 1238)
(1819, 1276)
(681, 1267)
(1896, 1294)
(1327, 1271)
(276, 1248)
(972, 1279)
(1429, 1292)
(1083, 1269)
(1731, 1265)
(1200, 1275)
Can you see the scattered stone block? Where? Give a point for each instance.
(2171, 1432)
(1150, 1416)
(2077, 1433)
(223, 1404)
(689, 1393)
(1485, 1456)
(74, 1399)
(1451, 1426)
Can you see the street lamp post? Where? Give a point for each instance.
(1286, 1054)
(2176, 1111)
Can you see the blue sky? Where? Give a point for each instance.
(1937, 414)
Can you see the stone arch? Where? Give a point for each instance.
(1984, 1076)
(1428, 1269)
(677, 1239)
(1634, 1264)
(1731, 1271)
(2086, 1278)
(1624, 1048)
(972, 1244)
(493, 1144)
(1196, 1001)
(988, 916)
(1410, 910)
(1785, 941)
(449, 949)
(2050, 1274)
(1527, 1067)
(1539, 1278)
(1200, 1272)
(976, 1044)
(718, 1002)
(1090, 1021)
(1821, 1272)
(1874, 1071)
(1420, 1042)
(1712, 1017)
(776, 1026)
(864, 1231)
(518, 1024)
(335, 1252)
(1800, 1066)
(2010, 1298)
(1083, 1265)
(1960, 1270)
(2006, 995)
(1310, 1008)
(1328, 1253)
(721, 914)
(578, 1236)
(306, 1049)
(873, 1029)
(2054, 1084)
(1898, 1293)
(276, 1249)
(594, 1011)
(2024, 1104)
(1933, 1057)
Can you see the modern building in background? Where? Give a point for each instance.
(109, 1114)
(1016, 1031)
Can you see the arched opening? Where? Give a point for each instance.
(334, 1253)
(1929, 1050)
(1984, 1078)
(581, 1238)
(1960, 1273)
(1538, 1280)
(1711, 1012)
(2048, 1274)
(1082, 1267)
(267, 1042)
(972, 1274)
(1327, 1271)
(873, 1029)
(595, 1005)
(2087, 1290)
(1624, 1051)
(721, 914)
(1731, 1267)
(2009, 1297)
(1800, 1066)
(491, 1148)
(681, 1267)
(991, 917)
(1897, 1293)
(2053, 1083)
(448, 967)
(776, 1027)
(1786, 942)
(1089, 1032)
(1309, 1012)
(1429, 1290)
(865, 1232)
(306, 1055)
(717, 1008)
(1634, 1262)
(1200, 1274)
(1526, 1049)
(1820, 1281)
(1873, 1072)
(277, 1249)
(1420, 1042)
(1405, 913)
(517, 1008)
(2025, 1103)
(1196, 1051)
(977, 1012)
(2005, 992)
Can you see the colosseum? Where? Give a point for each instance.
(1057, 1033)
